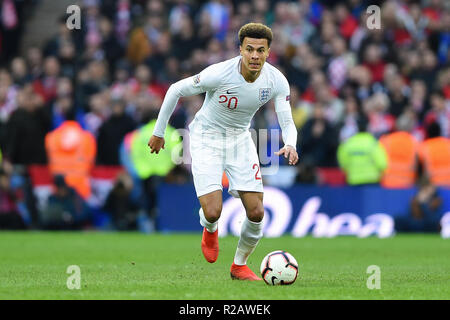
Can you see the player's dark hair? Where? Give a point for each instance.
(255, 30)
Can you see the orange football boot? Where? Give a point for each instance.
(243, 273)
(210, 245)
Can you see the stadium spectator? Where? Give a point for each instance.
(317, 140)
(64, 35)
(145, 82)
(68, 60)
(373, 61)
(217, 15)
(346, 22)
(376, 109)
(362, 157)
(19, 71)
(360, 80)
(121, 15)
(301, 65)
(333, 106)
(300, 111)
(8, 103)
(150, 169)
(317, 82)
(26, 129)
(443, 82)
(10, 218)
(402, 153)
(91, 80)
(306, 173)
(34, 58)
(65, 209)
(297, 29)
(382, 40)
(439, 112)
(184, 41)
(348, 126)
(46, 85)
(11, 28)
(428, 70)
(99, 111)
(140, 46)
(63, 109)
(8, 93)
(434, 154)
(418, 98)
(322, 44)
(397, 93)
(442, 38)
(112, 132)
(110, 44)
(424, 211)
(71, 152)
(410, 119)
(340, 63)
(163, 50)
(121, 206)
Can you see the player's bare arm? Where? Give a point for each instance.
(156, 144)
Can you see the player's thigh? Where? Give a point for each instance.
(207, 167)
(243, 171)
(212, 205)
(253, 204)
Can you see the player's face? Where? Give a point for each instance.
(254, 53)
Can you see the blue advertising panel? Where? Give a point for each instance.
(299, 210)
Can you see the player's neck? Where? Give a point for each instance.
(247, 74)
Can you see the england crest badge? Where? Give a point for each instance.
(264, 95)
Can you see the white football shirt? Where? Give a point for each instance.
(231, 101)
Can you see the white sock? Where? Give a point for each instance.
(210, 226)
(251, 232)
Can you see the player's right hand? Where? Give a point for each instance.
(156, 143)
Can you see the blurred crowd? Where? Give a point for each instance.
(92, 93)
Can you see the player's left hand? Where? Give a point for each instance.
(289, 153)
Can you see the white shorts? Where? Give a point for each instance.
(213, 153)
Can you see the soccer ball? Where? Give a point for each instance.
(279, 268)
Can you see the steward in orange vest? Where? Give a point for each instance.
(402, 151)
(434, 154)
(71, 152)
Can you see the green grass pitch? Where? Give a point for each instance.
(33, 265)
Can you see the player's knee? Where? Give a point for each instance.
(212, 213)
(256, 213)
